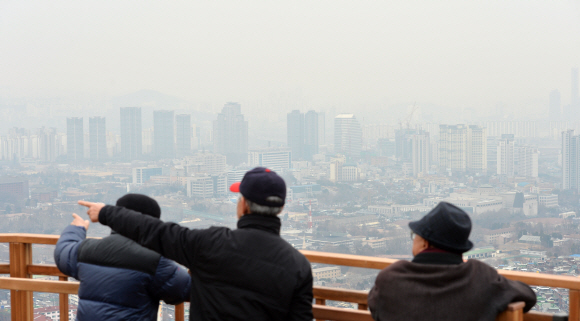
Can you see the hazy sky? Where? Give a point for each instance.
(318, 53)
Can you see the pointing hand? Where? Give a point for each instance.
(78, 221)
(94, 209)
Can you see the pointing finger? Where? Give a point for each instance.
(85, 203)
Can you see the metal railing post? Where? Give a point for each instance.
(20, 301)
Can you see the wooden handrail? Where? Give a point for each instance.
(21, 269)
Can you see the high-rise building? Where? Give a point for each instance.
(183, 135)
(163, 134)
(230, 134)
(453, 147)
(75, 139)
(575, 99)
(492, 155)
(143, 174)
(420, 146)
(555, 105)
(347, 135)
(526, 161)
(97, 138)
(570, 160)
(477, 149)
(131, 139)
(311, 125)
(321, 128)
(463, 148)
(404, 144)
(295, 130)
(505, 155)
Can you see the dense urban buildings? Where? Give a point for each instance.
(131, 136)
(230, 134)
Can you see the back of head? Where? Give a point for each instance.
(140, 203)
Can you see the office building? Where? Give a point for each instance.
(347, 135)
(206, 163)
(163, 134)
(183, 135)
(207, 186)
(131, 139)
(97, 138)
(143, 174)
(75, 139)
(570, 160)
(492, 155)
(295, 130)
(505, 155)
(420, 153)
(275, 159)
(230, 134)
(555, 106)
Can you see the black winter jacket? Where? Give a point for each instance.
(249, 273)
(120, 280)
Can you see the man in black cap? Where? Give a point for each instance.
(437, 284)
(119, 279)
(249, 273)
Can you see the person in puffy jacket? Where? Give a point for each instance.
(120, 279)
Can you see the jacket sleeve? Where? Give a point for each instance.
(519, 291)
(171, 282)
(301, 305)
(66, 251)
(175, 242)
(374, 297)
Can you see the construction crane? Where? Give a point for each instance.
(408, 119)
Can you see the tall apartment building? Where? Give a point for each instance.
(505, 155)
(463, 148)
(97, 138)
(492, 154)
(230, 134)
(75, 139)
(163, 134)
(404, 144)
(477, 149)
(183, 135)
(420, 153)
(347, 135)
(131, 139)
(275, 159)
(526, 161)
(570, 160)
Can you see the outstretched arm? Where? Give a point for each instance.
(168, 239)
(66, 251)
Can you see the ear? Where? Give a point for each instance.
(245, 207)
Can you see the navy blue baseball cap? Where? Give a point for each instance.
(262, 186)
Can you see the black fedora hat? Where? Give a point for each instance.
(446, 227)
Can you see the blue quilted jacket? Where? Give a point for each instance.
(119, 279)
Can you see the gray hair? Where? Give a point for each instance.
(263, 209)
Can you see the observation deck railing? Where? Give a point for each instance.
(21, 284)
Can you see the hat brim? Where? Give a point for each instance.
(235, 187)
(418, 228)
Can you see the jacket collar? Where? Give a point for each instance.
(267, 223)
(438, 258)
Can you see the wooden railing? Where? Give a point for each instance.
(22, 286)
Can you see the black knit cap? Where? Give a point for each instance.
(140, 203)
(446, 227)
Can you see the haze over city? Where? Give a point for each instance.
(371, 112)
